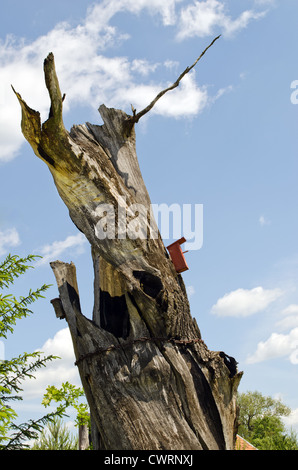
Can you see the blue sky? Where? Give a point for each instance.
(226, 138)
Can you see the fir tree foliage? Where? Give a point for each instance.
(56, 436)
(11, 308)
(14, 371)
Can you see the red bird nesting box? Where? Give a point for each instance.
(177, 255)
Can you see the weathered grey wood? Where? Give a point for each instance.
(57, 305)
(150, 380)
(83, 437)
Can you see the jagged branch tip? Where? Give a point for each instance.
(136, 116)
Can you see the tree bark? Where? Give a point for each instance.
(83, 437)
(150, 380)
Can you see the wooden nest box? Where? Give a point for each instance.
(177, 255)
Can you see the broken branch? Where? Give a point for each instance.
(136, 116)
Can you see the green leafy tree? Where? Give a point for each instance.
(68, 396)
(260, 422)
(57, 437)
(14, 371)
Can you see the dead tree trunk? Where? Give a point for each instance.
(150, 380)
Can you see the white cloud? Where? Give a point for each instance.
(190, 290)
(294, 355)
(86, 75)
(288, 323)
(172, 64)
(8, 239)
(54, 250)
(265, 2)
(291, 318)
(204, 18)
(143, 67)
(291, 421)
(264, 221)
(56, 371)
(277, 345)
(108, 8)
(290, 310)
(187, 100)
(244, 302)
